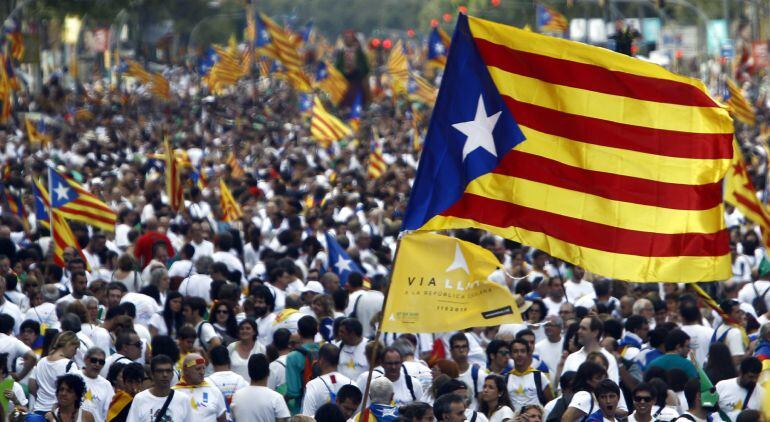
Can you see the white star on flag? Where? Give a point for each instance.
(459, 262)
(61, 192)
(479, 130)
(343, 265)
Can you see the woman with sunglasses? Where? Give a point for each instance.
(495, 402)
(42, 383)
(223, 320)
(99, 391)
(644, 397)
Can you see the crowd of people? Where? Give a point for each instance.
(183, 316)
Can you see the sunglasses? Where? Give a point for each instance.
(643, 399)
(98, 361)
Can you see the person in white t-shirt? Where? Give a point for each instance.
(227, 381)
(742, 392)
(352, 348)
(323, 389)
(257, 403)
(555, 296)
(99, 391)
(193, 309)
(550, 348)
(583, 402)
(406, 387)
(208, 403)
(730, 335)
(15, 348)
(42, 381)
(472, 375)
(577, 288)
(526, 385)
(147, 404)
(700, 335)
(589, 333)
(281, 341)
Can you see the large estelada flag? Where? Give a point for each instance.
(740, 192)
(73, 202)
(597, 158)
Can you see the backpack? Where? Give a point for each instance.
(311, 369)
(475, 375)
(558, 409)
(721, 338)
(759, 304)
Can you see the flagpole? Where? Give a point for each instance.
(364, 413)
(51, 217)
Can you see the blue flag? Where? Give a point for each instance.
(339, 260)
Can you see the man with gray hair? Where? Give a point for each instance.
(199, 285)
(380, 396)
(416, 368)
(99, 391)
(762, 349)
(43, 310)
(99, 335)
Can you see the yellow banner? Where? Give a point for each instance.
(441, 284)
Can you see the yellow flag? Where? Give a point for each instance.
(441, 284)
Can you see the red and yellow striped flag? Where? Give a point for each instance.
(599, 159)
(174, 187)
(740, 192)
(236, 170)
(377, 165)
(284, 47)
(326, 127)
(62, 238)
(231, 211)
(398, 69)
(739, 106)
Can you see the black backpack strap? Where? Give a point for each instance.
(475, 375)
(162, 412)
(539, 387)
(409, 385)
(748, 397)
(69, 366)
(475, 415)
(204, 345)
(355, 306)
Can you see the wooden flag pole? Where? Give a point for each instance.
(364, 412)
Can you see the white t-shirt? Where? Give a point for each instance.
(100, 336)
(550, 353)
(584, 402)
(45, 374)
(14, 311)
(207, 402)
(145, 407)
(232, 263)
(205, 332)
(574, 360)
(700, 340)
(45, 313)
(197, 285)
(99, 393)
(146, 307)
(319, 391)
(239, 365)
(502, 414)
(205, 248)
(14, 347)
(182, 268)
(370, 305)
(265, 328)
(576, 291)
(277, 376)
(749, 291)
(733, 339)
(228, 382)
(258, 404)
(467, 378)
(401, 393)
(522, 389)
(732, 396)
(353, 360)
(553, 307)
(115, 357)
